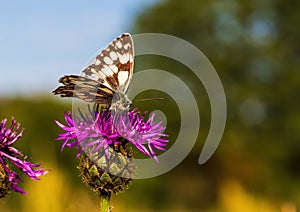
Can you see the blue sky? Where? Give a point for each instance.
(43, 40)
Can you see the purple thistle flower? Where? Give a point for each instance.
(8, 136)
(108, 129)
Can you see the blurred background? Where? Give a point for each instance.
(254, 47)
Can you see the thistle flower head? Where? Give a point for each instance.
(109, 128)
(8, 136)
(103, 141)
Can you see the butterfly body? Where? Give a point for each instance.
(106, 80)
(120, 101)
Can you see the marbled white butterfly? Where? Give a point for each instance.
(106, 80)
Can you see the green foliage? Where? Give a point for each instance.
(253, 47)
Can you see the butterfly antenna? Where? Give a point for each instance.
(147, 99)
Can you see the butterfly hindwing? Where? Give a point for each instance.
(84, 88)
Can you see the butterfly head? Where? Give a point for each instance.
(120, 101)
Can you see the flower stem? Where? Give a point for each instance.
(104, 202)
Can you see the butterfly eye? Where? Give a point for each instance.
(126, 104)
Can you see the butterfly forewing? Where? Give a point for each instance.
(113, 66)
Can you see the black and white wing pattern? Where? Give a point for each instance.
(109, 74)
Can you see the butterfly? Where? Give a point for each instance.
(106, 80)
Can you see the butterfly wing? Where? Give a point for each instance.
(84, 88)
(113, 67)
(111, 71)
